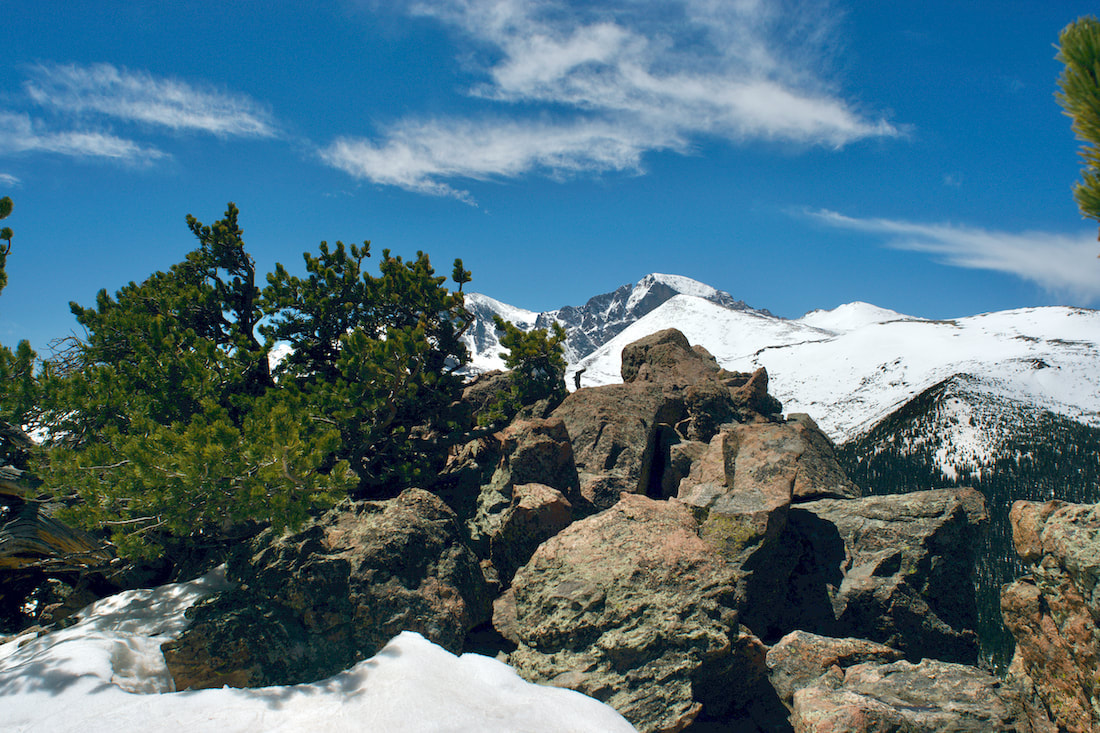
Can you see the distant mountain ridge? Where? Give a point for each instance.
(849, 367)
(588, 326)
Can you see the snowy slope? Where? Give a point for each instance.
(852, 366)
(481, 338)
(588, 326)
(1047, 357)
(728, 334)
(106, 673)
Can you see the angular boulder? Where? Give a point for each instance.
(313, 602)
(526, 452)
(800, 658)
(1053, 612)
(929, 697)
(535, 514)
(614, 429)
(633, 607)
(895, 569)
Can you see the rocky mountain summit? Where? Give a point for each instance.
(673, 546)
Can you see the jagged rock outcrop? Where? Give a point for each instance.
(1053, 612)
(623, 434)
(894, 569)
(929, 697)
(535, 514)
(633, 607)
(313, 602)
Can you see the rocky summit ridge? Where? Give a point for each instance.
(675, 547)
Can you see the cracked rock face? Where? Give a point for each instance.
(894, 569)
(632, 607)
(1053, 612)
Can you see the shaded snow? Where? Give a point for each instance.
(106, 673)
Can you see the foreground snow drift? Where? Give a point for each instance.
(106, 673)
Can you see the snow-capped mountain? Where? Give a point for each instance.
(588, 326)
(849, 367)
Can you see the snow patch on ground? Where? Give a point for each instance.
(106, 673)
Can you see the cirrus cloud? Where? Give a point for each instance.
(20, 134)
(1059, 263)
(621, 79)
(137, 96)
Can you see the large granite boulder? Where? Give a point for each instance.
(902, 697)
(894, 569)
(615, 431)
(667, 356)
(633, 607)
(743, 484)
(313, 602)
(1054, 611)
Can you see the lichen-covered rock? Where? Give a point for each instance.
(1053, 611)
(314, 602)
(902, 697)
(667, 356)
(526, 452)
(799, 658)
(535, 514)
(895, 569)
(632, 607)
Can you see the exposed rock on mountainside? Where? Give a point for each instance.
(312, 603)
(1054, 611)
(623, 434)
(799, 658)
(644, 544)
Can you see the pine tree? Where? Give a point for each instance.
(1079, 95)
(379, 355)
(170, 428)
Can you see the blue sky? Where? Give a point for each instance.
(799, 155)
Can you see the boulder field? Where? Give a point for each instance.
(674, 547)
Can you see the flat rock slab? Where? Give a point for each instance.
(930, 697)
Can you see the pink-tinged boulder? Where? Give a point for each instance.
(633, 607)
(1053, 611)
(527, 452)
(799, 658)
(623, 434)
(930, 697)
(535, 514)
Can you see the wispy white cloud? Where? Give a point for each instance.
(137, 96)
(421, 157)
(1061, 264)
(20, 134)
(7, 179)
(635, 77)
